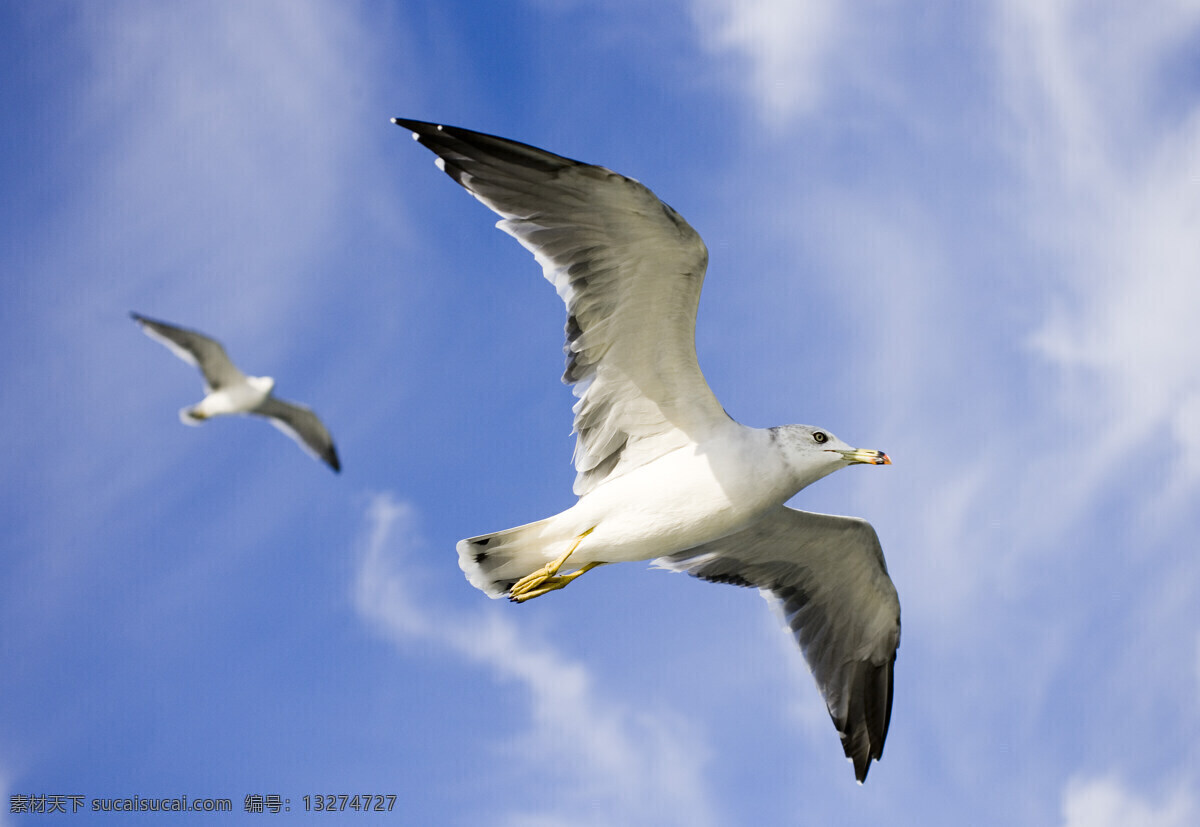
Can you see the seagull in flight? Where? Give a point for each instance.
(663, 473)
(229, 391)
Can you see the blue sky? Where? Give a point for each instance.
(965, 235)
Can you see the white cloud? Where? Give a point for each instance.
(1113, 194)
(218, 139)
(1107, 802)
(579, 744)
(782, 42)
(1105, 137)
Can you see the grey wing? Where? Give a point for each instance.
(196, 349)
(629, 269)
(302, 425)
(831, 579)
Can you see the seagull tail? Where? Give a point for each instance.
(188, 416)
(494, 562)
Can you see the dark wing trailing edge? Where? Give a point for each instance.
(301, 424)
(195, 349)
(831, 579)
(629, 269)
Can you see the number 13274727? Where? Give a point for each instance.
(341, 803)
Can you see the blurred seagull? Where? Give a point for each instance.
(662, 471)
(232, 392)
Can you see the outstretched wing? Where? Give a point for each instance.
(196, 349)
(629, 269)
(830, 576)
(302, 425)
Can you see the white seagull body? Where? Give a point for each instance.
(229, 391)
(663, 472)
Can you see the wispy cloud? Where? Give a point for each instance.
(204, 170)
(1108, 802)
(578, 744)
(221, 139)
(1111, 193)
(1196, 691)
(778, 46)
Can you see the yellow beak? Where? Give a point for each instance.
(862, 455)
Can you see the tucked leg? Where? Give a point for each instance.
(551, 584)
(531, 585)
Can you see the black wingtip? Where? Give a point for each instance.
(144, 320)
(416, 127)
(457, 146)
(860, 771)
(864, 730)
(331, 458)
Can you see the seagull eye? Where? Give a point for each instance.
(819, 437)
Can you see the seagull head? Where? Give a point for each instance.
(262, 384)
(814, 452)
